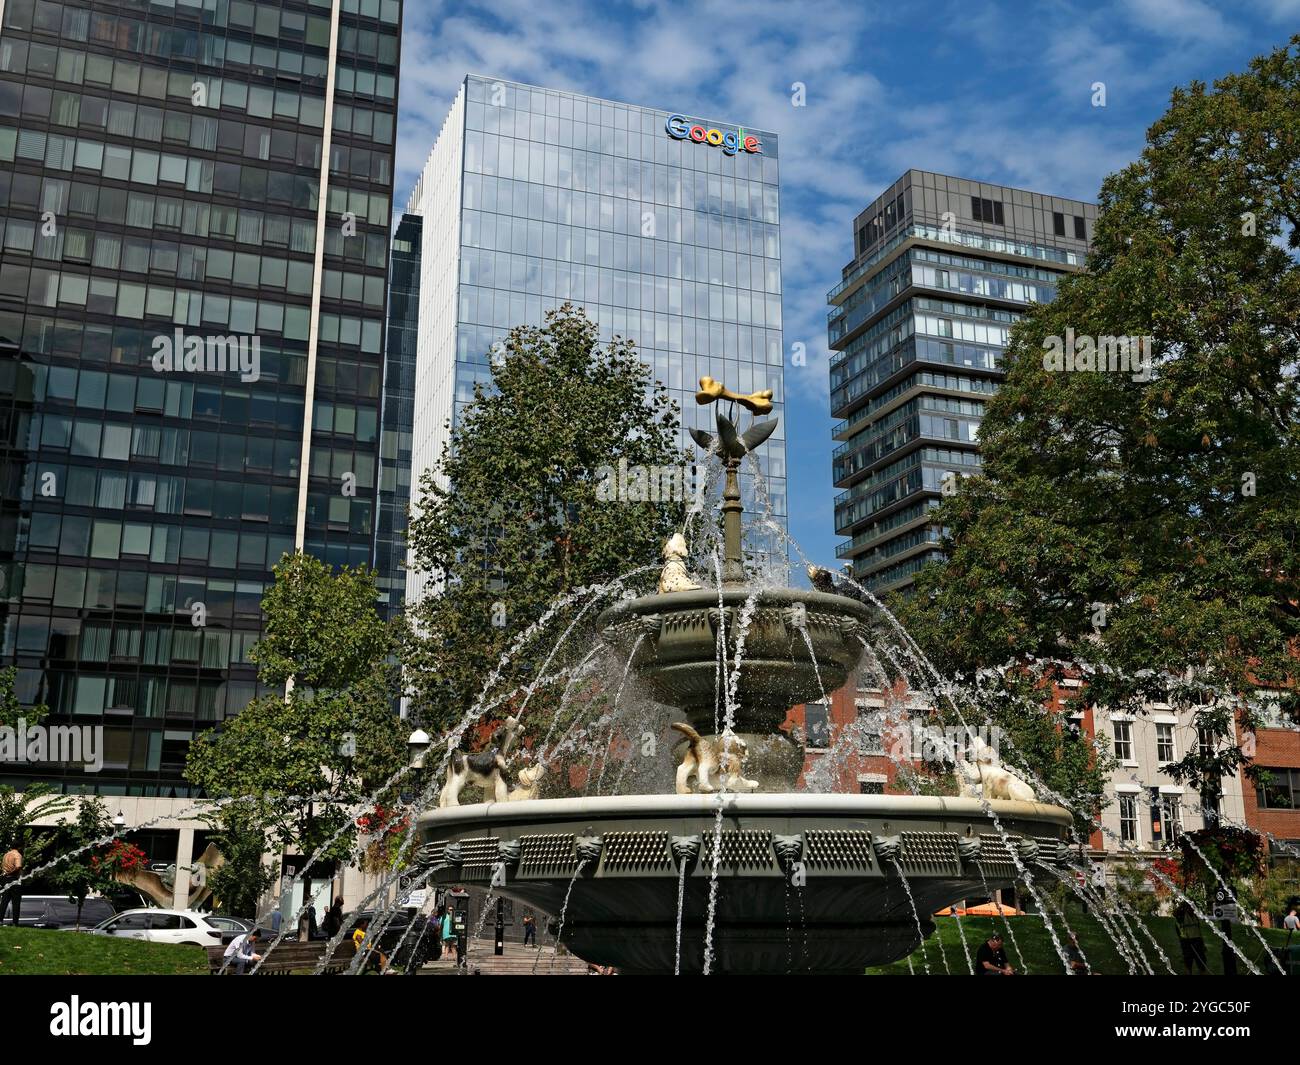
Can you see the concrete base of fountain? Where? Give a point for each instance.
(806, 883)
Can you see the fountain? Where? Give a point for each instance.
(702, 882)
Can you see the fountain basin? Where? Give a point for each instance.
(676, 658)
(806, 883)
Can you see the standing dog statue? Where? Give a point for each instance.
(486, 769)
(706, 761)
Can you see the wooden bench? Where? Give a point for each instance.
(290, 956)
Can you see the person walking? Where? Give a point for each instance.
(333, 923)
(1291, 923)
(450, 941)
(277, 919)
(1189, 939)
(241, 951)
(11, 872)
(360, 941)
(991, 959)
(530, 929)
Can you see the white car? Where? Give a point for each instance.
(188, 927)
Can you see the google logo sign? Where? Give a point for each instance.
(731, 142)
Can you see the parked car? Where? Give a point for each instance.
(57, 911)
(416, 948)
(237, 926)
(187, 927)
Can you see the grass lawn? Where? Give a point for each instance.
(35, 951)
(1040, 958)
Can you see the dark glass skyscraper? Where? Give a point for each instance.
(942, 267)
(398, 404)
(196, 199)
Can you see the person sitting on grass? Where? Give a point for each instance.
(376, 959)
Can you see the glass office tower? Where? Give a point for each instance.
(196, 199)
(918, 323)
(665, 228)
(395, 419)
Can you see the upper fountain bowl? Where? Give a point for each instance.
(798, 646)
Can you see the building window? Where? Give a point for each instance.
(1128, 817)
(871, 787)
(1123, 740)
(1058, 223)
(1205, 742)
(986, 210)
(816, 722)
(1172, 816)
(1278, 789)
(1164, 742)
(870, 737)
(1080, 229)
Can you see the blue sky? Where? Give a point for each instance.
(1000, 92)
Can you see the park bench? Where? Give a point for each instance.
(289, 957)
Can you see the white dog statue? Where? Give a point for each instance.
(673, 577)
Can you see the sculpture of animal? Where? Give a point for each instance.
(530, 782)
(486, 769)
(987, 778)
(822, 579)
(674, 577)
(712, 767)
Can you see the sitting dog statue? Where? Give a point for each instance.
(530, 782)
(486, 769)
(673, 577)
(989, 779)
(712, 768)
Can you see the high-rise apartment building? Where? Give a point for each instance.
(942, 267)
(196, 203)
(663, 226)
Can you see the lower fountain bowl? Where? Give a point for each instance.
(805, 883)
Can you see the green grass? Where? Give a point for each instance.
(1040, 958)
(39, 952)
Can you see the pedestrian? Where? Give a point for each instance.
(1189, 938)
(1291, 923)
(277, 918)
(530, 929)
(11, 872)
(1074, 955)
(434, 931)
(307, 924)
(333, 923)
(241, 951)
(450, 940)
(991, 959)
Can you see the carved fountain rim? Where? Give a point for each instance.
(743, 805)
(664, 602)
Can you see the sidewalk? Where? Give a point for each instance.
(516, 961)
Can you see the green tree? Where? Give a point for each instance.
(513, 515)
(83, 869)
(18, 813)
(1134, 525)
(299, 762)
(242, 878)
(11, 710)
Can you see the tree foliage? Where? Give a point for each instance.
(1137, 528)
(511, 519)
(297, 763)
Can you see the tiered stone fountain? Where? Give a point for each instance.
(805, 882)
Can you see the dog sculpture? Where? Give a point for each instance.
(711, 766)
(530, 782)
(673, 577)
(985, 778)
(486, 769)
